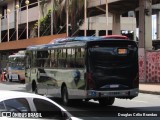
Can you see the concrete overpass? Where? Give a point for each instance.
(116, 6)
(143, 9)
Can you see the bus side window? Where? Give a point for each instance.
(79, 63)
(56, 59)
(72, 58)
(69, 53)
(42, 56)
(52, 61)
(47, 58)
(62, 58)
(38, 57)
(27, 62)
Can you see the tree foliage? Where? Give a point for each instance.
(59, 9)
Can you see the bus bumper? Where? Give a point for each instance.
(117, 93)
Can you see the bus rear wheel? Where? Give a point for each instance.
(106, 101)
(19, 79)
(65, 99)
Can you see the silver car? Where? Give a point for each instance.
(20, 105)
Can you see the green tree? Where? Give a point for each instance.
(76, 16)
(76, 13)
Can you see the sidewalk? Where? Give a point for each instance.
(150, 88)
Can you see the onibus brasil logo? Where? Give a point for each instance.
(21, 115)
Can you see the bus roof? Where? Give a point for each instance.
(63, 41)
(115, 37)
(16, 55)
(70, 41)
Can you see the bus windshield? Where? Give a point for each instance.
(16, 62)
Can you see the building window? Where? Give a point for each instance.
(4, 12)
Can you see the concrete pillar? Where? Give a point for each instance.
(158, 25)
(116, 24)
(145, 24)
(134, 33)
(145, 35)
(0, 28)
(107, 17)
(97, 33)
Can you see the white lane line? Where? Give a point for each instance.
(139, 101)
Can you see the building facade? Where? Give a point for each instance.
(21, 20)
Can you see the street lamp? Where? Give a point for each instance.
(39, 14)
(27, 3)
(0, 28)
(107, 17)
(67, 18)
(8, 12)
(17, 8)
(52, 17)
(85, 16)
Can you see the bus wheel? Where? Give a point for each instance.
(107, 101)
(65, 99)
(19, 79)
(34, 88)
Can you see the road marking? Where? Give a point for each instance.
(139, 101)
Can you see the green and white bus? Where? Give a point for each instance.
(84, 68)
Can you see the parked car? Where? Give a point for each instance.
(14, 104)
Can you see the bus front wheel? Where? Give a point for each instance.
(107, 101)
(65, 99)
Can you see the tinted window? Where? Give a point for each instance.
(43, 58)
(79, 62)
(2, 107)
(47, 108)
(62, 58)
(18, 105)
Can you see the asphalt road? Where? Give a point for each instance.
(12, 86)
(139, 107)
(145, 106)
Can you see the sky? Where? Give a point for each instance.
(154, 28)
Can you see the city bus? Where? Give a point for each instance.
(16, 67)
(84, 68)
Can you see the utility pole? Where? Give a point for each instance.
(85, 18)
(106, 17)
(67, 18)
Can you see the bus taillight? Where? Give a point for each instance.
(91, 84)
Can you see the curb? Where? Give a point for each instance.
(149, 92)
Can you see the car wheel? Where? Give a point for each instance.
(65, 99)
(107, 101)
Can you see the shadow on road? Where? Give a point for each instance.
(92, 109)
(11, 83)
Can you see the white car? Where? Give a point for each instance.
(20, 105)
